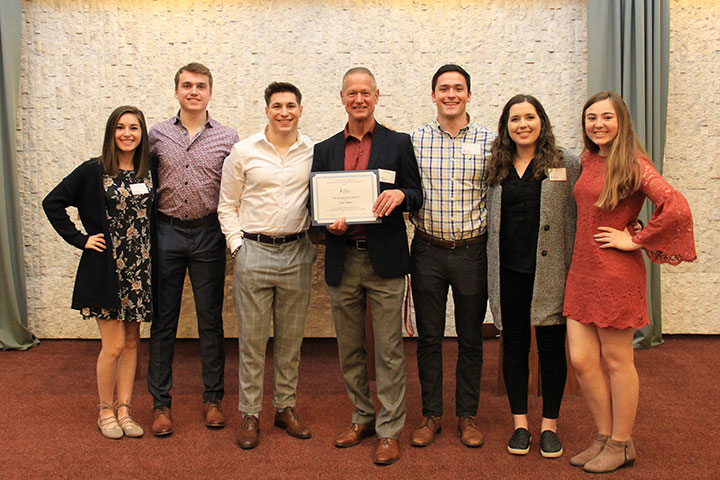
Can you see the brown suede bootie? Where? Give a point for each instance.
(591, 452)
(615, 455)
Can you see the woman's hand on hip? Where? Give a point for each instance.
(96, 242)
(612, 238)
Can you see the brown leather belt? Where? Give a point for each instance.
(259, 237)
(211, 219)
(450, 244)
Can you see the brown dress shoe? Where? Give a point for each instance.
(387, 451)
(162, 422)
(249, 432)
(289, 420)
(213, 414)
(353, 435)
(424, 435)
(470, 434)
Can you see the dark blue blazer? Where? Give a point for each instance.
(387, 241)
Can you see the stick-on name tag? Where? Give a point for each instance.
(472, 149)
(557, 174)
(139, 189)
(386, 176)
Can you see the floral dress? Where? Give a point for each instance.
(128, 216)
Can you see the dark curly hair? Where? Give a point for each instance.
(503, 150)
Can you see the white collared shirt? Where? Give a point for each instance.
(264, 192)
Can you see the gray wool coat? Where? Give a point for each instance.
(554, 248)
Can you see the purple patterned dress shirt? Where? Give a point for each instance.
(189, 169)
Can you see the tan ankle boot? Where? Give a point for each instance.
(615, 455)
(591, 452)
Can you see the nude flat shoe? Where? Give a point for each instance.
(109, 425)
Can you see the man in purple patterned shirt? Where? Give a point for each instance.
(187, 153)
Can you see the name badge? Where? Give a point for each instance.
(472, 149)
(139, 189)
(386, 176)
(557, 174)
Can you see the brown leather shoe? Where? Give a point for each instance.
(424, 435)
(162, 421)
(289, 420)
(213, 414)
(470, 434)
(353, 435)
(387, 451)
(249, 432)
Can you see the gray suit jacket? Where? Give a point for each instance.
(554, 248)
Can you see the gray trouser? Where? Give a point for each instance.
(359, 284)
(271, 282)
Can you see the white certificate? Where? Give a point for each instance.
(350, 194)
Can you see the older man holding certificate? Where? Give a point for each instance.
(368, 262)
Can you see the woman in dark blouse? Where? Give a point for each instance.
(113, 196)
(531, 221)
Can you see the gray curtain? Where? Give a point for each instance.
(13, 306)
(628, 52)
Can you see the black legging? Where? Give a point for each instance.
(516, 290)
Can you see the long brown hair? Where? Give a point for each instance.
(622, 170)
(547, 154)
(109, 157)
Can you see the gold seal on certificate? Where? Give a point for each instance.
(350, 194)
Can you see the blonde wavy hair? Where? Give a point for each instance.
(623, 175)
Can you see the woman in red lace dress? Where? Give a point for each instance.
(605, 291)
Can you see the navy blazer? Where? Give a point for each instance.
(387, 241)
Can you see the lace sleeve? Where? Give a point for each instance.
(668, 236)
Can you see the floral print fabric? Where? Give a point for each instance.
(128, 218)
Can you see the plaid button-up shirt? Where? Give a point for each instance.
(452, 171)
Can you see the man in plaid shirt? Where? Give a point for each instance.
(448, 249)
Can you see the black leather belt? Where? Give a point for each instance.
(357, 243)
(450, 244)
(211, 219)
(259, 237)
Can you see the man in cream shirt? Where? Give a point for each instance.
(263, 214)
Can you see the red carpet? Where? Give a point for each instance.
(48, 398)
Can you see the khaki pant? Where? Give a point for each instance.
(359, 284)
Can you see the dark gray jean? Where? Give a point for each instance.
(434, 269)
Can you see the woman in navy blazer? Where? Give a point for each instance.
(113, 195)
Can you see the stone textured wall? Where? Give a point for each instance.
(692, 163)
(82, 58)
